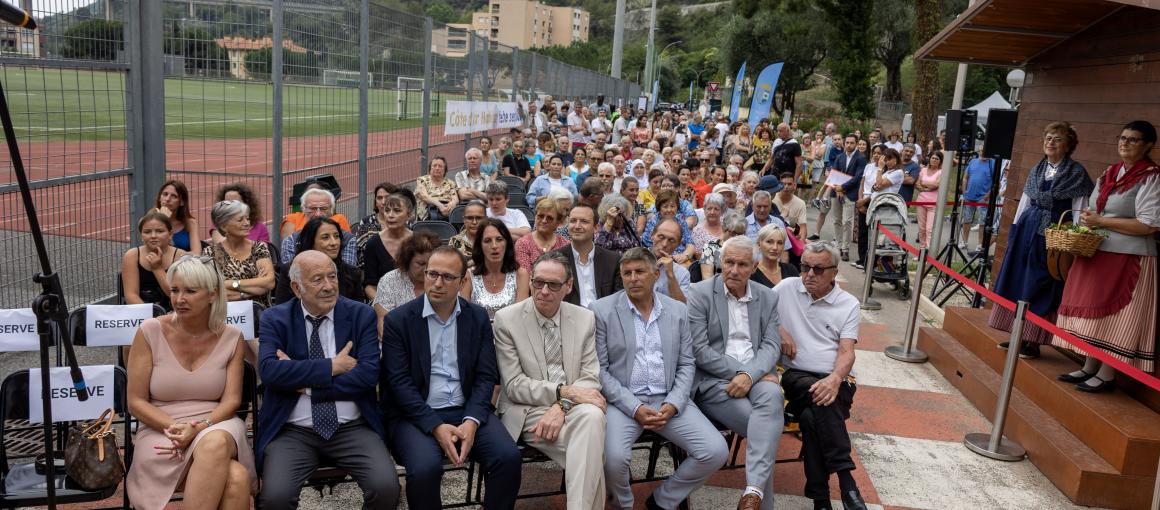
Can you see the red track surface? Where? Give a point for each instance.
(99, 209)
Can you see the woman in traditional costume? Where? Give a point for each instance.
(1109, 300)
(1057, 184)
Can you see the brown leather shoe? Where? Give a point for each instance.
(749, 501)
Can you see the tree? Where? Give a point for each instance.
(303, 65)
(441, 12)
(93, 39)
(924, 102)
(894, 33)
(764, 32)
(201, 52)
(851, 56)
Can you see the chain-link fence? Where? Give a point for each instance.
(110, 99)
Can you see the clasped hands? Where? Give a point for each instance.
(180, 435)
(548, 427)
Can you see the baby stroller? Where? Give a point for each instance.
(890, 260)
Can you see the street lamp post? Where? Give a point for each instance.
(1015, 80)
(656, 63)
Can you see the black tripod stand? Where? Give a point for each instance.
(49, 306)
(980, 262)
(944, 286)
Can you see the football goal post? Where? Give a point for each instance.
(408, 97)
(340, 78)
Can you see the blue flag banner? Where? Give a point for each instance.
(763, 93)
(735, 104)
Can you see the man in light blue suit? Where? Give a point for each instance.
(646, 373)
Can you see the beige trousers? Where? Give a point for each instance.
(580, 450)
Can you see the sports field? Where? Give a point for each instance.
(77, 104)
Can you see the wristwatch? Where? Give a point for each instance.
(558, 388)
(237, 284)
(566, 405)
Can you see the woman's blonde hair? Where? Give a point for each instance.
(769, 230)
(199, 272)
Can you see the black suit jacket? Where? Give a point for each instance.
(606, 272)
(853, 187)
(406, 367)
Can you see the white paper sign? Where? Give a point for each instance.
(241, 315)
(466, 117)
(65, 406)
(838, 178)
(107, 325)
(18, 330)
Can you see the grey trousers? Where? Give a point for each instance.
(760, 418)
(842, 211)
(294, 454)
(689, 430)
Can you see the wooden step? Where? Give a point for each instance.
(1082, 474)
(1116, 426)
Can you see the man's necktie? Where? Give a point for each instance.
(323, 414)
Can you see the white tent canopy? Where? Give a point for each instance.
(995, 100)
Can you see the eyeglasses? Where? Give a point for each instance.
(436, 276)
(539, 284)
(1130, 140)
(818, 270)
(204, 259)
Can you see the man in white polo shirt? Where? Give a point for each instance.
(497, 207)
(821, 320)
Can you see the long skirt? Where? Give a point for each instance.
(1024, 277)
(1123, 328)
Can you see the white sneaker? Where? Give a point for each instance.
(975, 228)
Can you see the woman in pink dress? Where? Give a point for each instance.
(185, 386)
(927, 187)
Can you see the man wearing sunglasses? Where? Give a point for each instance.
(546, 350)
(439, 372)
(821, 320)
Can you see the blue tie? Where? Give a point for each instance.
(323, 414)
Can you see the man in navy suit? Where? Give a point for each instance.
(319, 361)
(852, 163)
(439, 372)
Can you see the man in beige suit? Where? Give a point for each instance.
(546, 351)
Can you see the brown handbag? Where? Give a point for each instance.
(91, 457)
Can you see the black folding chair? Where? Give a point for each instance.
(14, 410)
(517, 199)
(442, 229)
(76, 330)
(514, 184)
(456, 217)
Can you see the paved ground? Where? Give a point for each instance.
(906, 429)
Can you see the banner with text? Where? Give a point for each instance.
(65, 406)
(466, 117)
(18, 330)
(107, 325)
(240, 314)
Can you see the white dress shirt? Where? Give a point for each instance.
(302, 415)
(739, 344)
(586, 275)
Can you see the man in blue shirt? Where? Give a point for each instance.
(977, 185)
(910, 175)
(695, 129)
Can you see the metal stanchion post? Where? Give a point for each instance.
(867, 303)
(907, 352)
(993, 445)
(1156, 490)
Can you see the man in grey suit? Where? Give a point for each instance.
(734, 326)
(646, 373)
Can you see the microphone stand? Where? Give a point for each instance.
(49, 307)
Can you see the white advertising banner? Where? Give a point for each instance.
(241, 315)
(18, 330)
(107, 325)
(65, 406)
(466, 117)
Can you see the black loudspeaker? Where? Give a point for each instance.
(1000, 133)
(961, 130)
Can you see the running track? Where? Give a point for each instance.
(99, 209)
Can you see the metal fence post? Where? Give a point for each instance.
(471, 56)
(867, 302)
(363, 106)
(146, 94)
(994, 445)
(515, 74)
(428, 82)
(276, 136)
(485, 71)
(906, 352)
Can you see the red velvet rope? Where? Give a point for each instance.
(1129, 370)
